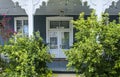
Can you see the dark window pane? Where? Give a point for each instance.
(64, 24)
(54, 24)
(65, 40)
(25, 22)
(25, 27)
(19, 25)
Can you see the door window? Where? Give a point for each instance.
(53, 37)
(65, 40)
(53, 43)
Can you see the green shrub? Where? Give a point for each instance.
(96, 52)
(27, 57)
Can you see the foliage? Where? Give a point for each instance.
(5, 30)
(110, 40)
(27, 57)
(5, 33)
(96, 52)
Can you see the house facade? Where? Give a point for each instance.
(53, 21)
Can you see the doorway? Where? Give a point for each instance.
(59, 33)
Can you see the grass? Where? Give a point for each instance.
(1, 75)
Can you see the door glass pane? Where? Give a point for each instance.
(19, 26)
(64, 24)
(65, 40)
(53, 43)
(54, 24)
(53, 40)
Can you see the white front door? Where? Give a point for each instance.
(58, 42)
(59, 37)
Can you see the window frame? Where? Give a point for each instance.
(57, 18)
(15, 22)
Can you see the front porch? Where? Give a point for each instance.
(53, 21)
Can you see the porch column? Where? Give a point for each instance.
(30, 13)
(30, 24)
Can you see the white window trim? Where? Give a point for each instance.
(48, 19)
(18, 18)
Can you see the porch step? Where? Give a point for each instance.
(59, 66)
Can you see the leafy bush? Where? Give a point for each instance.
(27, 57)
(96, 52)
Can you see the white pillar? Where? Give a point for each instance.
(30, 24)
(30, 14)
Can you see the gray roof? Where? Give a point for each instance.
(53, 7)
(114, 9)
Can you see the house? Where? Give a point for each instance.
(53, 20)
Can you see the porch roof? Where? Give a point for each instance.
(73, 7)
(53, 7)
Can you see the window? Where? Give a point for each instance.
(21, 25)
(59, 24)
